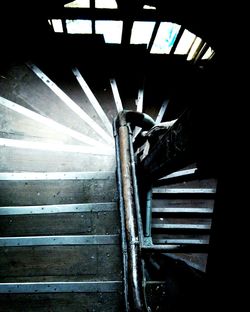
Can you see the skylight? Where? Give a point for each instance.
(142, 32)
(209, 53)
(78, 4)
(79, 26)
(57, 25)
(111, 30)
(165, 38)
(194, 48)
(105, 4)
(149, 7)
(185, 43)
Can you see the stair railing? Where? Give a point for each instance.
(172, 150)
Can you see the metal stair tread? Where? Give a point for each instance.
(30, 176)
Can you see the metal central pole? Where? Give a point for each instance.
(130, 221)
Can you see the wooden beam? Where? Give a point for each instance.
(177, 40)
(152, 39)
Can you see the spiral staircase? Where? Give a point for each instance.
(59, 220)
(60, 228)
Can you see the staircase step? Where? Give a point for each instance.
(61, 287)
(181, 241)
(14, 125)
(18, 159)
(94, 102)
(53, 209)
(182, 175)
(100, 86)
(23, 87)
(70, 104)
(57, 190)
(32, 176)
(181, 226)
(185, 179)
(49, 123)
(93, 218)
(59, 240)
(182, 203)
(182, 211)
(63, 76)
(197, 191)
(83, 261)
(58, 302)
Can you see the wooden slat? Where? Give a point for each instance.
(14, 159)
(183, 203)
(14, 193)
(70, 103)
(48, 122)
(55, 209)
(33, 176)
(181, 226)
(90, 223)
(184, 211)
(183, 190)
(93, 100)
(116, 95)
(42, 263)
(58, 302)
(57, 287)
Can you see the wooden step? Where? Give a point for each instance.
(41, 159)
(63, 76)
(14, 125)
(78, 111)
(101, 88)
(187, 212)
(75, 258)
(183, 191)
(74, 219)
(23, 87)
(95, 187)
(183, 203)
(58, 302)
(48, 123)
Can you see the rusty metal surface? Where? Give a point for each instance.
(130, 222)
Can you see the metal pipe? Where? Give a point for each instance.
(122, 220)
(141, 120)
(130, 198)
(148, 213)
(135, 278)
(136, 192)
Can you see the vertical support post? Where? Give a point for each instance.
(148, 213)
(65, 30)
(92, 8)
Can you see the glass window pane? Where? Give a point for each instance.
(78, 4)
(79, 26)
(185, 42)
(149, 7)
(57, 25)
(165, 38)
(194, 48)
(105, 4)
(142, 32)
(111, 30)
(208, 54)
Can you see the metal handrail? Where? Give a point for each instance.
(134, 242)
(129, 203)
